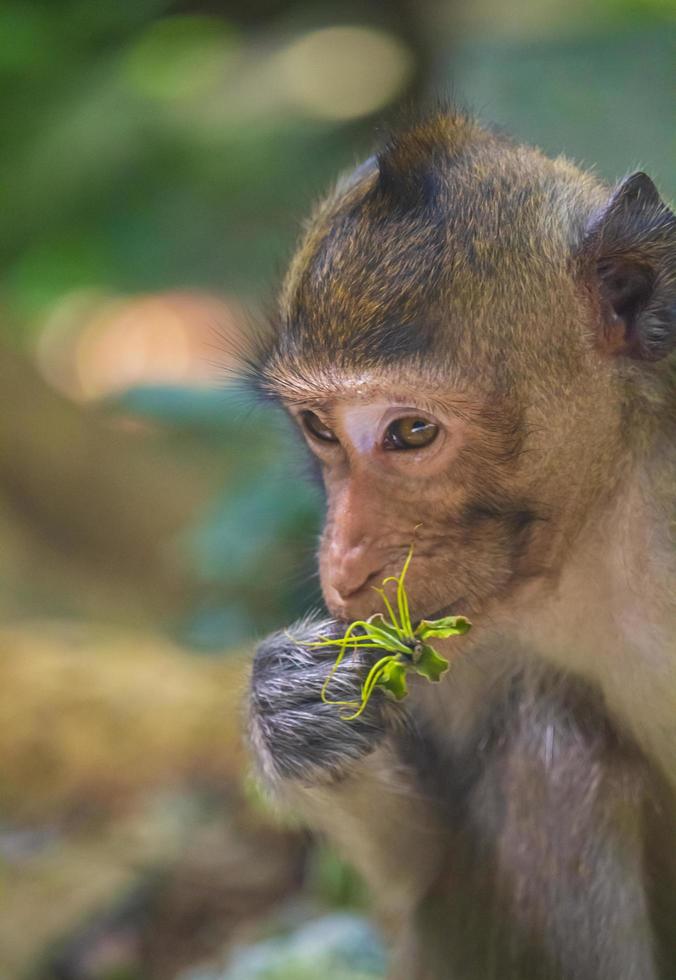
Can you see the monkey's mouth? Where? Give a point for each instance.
(454, 608)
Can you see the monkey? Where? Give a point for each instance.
(474, 340)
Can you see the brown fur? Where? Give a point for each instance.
(530, 310)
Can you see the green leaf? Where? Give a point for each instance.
(405, 624)
(387, 634)
(393, 679)
(430, 664)
(390, 611)
(402, 598)
(394, 637)
(446, 626)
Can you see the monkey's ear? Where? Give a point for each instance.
(631, 247)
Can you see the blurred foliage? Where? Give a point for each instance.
(139, 152)
(82, 707)
(121, 761)
(155, 160)
(245, 537)
(336, 947)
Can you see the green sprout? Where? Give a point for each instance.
(406, 646)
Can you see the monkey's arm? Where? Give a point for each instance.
(344, 777)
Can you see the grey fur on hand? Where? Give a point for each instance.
(295, 735)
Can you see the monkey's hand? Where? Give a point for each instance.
(294, 734)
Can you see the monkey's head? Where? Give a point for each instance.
(466, 336)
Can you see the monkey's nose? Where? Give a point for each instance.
(348, 589)
(352, 575)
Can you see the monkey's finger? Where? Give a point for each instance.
(313, 743)
(288, 687)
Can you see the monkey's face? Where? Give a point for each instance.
(438, 473)
(442, 345)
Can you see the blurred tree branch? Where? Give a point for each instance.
(90, 503)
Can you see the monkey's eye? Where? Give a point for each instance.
(410, 433)
(314, 425)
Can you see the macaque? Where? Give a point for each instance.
(474, 341)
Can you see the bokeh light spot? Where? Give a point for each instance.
(93, 345)
(344, 72)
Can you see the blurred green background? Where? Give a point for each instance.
(156, 160)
